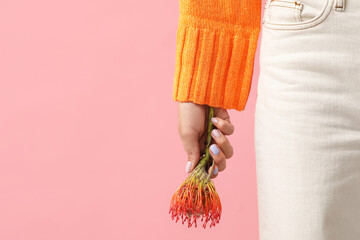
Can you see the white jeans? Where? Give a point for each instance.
(307, 121)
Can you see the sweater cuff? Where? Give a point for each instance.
(214, 67)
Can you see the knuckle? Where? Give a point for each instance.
(232, 128)
(184, 134)
(222, 140)
(220, 124)
(222, 166)
(220, 159)
(191, 152)
(230, 153)
(221, 143)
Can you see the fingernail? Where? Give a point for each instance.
(214, 149)
(214, 120)
(188, 165)
(215, 171)
(216, 133)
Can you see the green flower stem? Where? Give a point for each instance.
(207, 158)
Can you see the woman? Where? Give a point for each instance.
(307, 119)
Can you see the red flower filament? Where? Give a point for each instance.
(196, 198)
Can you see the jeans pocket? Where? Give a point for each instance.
(284, 11)
(295, 14)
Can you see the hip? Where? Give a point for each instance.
(309, 64)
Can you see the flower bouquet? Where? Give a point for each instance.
(197, 197)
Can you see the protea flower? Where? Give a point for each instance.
(197, 197)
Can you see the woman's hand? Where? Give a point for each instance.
(192, 119)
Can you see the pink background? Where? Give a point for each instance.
(89, 147)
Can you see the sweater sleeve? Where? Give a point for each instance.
(215, 50)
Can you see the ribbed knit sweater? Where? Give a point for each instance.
(215, 51)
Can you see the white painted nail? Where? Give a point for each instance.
(188, 166)
(214, 149)
(216, 133)
(214, 120)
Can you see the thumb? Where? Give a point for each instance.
(192, 149)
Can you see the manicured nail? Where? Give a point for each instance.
(214, 120)
(216, 133)
(215, 171)
(214, 149)
(188, 165)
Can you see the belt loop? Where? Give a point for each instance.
(339, 5)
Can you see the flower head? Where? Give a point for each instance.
(196, 198)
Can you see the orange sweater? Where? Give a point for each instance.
(215, 50)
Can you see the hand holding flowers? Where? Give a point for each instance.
(197, 196)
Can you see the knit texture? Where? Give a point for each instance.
(215, 50)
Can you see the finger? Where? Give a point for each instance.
(224, 125)
(221, 113)
(223, 143)
(214, 172)
(192, 149)
(218, 157)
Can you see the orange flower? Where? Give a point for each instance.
(197, 197)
